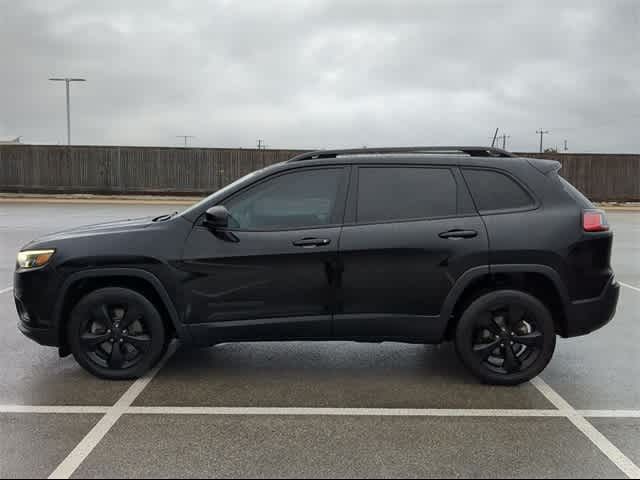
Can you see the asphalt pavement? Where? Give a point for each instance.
(291, 409)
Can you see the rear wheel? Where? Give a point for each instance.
(506, 337)
(116, 334)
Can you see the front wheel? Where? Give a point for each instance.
(116, 334)
(506, 337)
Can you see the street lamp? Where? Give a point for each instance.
(67, 82)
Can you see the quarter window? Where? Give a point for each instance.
(306, 198)
(405, 193)
(493, 191)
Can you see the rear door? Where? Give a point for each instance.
(410, 232)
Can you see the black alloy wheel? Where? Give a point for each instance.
(506, 337)
(116, 333)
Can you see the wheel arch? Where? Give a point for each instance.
(81, 283)
(541, 281)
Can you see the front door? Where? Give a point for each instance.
(270, 275)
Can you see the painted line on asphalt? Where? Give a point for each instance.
(357, 412)
(38, 409)
(612, 452)
(610, 413)
(6, 290)
(629, 286)
(70, 464)
(321, 411)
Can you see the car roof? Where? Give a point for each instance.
(404, 159)
(472, 151)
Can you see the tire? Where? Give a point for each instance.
(489, 333)
(116, 334)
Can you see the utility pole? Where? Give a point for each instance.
(261, 145)
(542, 133)
(566, 147)
(495, 135)
(186, 139)
(67, 82)
(502, 138)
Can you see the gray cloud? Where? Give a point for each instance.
(324, 73)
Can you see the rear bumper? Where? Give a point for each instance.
(586, 316)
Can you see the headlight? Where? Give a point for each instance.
(34, 258)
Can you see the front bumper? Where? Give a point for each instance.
(35, 293)
(44, 336)
(586, 316)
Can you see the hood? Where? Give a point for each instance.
(96, 229)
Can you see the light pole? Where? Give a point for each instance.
(67, 82)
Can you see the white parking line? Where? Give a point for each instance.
(629, 286)
(612, 452)
(322, 411)
(357, 412)
(6, 290)
(70, 464)
(610, 413)
(51, 409)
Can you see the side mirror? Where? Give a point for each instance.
(217, 217)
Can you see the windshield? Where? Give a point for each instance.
(222, 191)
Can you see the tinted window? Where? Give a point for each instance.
(293, 200)
(404, 193)
(495, 191)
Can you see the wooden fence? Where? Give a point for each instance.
(197, 171)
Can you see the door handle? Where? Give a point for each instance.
(312, 242)
(458, 234)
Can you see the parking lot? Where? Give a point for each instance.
(316, 409)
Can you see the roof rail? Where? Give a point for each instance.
(471, 151)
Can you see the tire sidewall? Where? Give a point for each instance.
(153, 322)
(466, 327)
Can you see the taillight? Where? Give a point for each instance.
(594, 221)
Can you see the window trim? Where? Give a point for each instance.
(338, 214)
(535, 203)
(351, 217)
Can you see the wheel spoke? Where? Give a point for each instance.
(142, 343)
(132, 315)
(511, 361)
(484, 350)
(515, 315)
(116, 358)
(91, 340)
(535, 339)
(487, 322)
(101, 315)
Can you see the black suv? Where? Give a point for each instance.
(423, 245)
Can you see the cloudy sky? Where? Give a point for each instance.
(323, 73)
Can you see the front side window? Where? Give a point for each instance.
(405, 193)
(302, 199)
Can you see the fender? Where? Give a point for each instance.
(458, 289)
(476, 272)
(545, 270)
(156, 284)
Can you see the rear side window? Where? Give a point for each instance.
(405, 193)
(494, 191)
